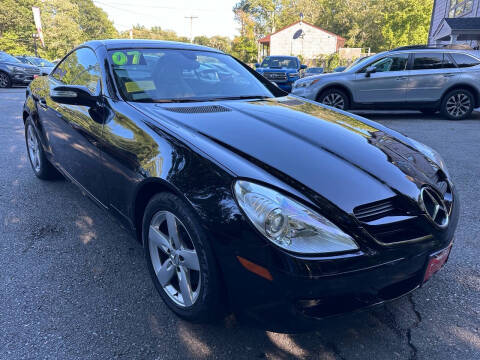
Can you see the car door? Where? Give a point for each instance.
(75, 131)
(431, 74)
(388, 84)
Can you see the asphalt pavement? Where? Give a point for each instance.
(73, 285)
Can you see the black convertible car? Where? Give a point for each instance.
(244, 198)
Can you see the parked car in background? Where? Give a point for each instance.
(45, 66)
(339, 69)
(423, 78)
(282, 70)
(243, 197)
(13, 71)
(312, 71)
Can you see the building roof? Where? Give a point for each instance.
(266, 39)
(465, 23)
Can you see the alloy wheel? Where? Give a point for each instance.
(458, 105)
(335, 100)
(33, 149)
(4, 80)
(174, 258)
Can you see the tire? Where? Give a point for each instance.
(336, 98)
(458, 104)
(428, 111)
(42, 168)
(205, 300)
(5, 81)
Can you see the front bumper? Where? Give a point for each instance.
(295, 303)
(22, 78)
(305, 92)
(302, 290)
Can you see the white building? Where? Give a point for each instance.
(302, 39)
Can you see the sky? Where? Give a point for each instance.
(214, 17)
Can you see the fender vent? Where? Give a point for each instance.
(198, 109)
(375, 210)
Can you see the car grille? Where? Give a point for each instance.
(276, 76)
(392, 221)
(374, 211)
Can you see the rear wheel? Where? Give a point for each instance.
(180, 259)
(458, 104)
(5, 81)
(335, 98)
(40, 164)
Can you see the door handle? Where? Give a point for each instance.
(401, 78)
(448, 75)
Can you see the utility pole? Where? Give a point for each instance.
(191, 25)
(35, 36)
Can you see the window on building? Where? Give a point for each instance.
(460, 7)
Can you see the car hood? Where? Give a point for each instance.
(19, 64)
(342, 157)
(269, 70)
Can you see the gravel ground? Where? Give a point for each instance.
(73, 285)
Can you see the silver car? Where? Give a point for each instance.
(420, 78)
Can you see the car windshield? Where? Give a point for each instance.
(279, 62)
(40, 62)
(8, 58)
(361, 60)
(175, 75)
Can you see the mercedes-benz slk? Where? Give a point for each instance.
(244, 198)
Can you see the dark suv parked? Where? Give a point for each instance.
(13, 71)
(282, 70)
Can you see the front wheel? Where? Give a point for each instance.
(335, 98)
(458, 104)
(5, 81)
(180, 259)
(40, 164)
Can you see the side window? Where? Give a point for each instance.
(396, 62)
(428, 61)
(448, 62)
(464, 60)
(79, 68)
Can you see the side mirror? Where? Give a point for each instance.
(370, 70)
(257, 65)
(303, 66)
(73, 95)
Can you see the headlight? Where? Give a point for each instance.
(289, 224)
(294, 74)
(431, 154)
(15, 68)
(306, 83)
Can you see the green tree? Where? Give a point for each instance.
(65, 23)
(407, 22)
(94, 22)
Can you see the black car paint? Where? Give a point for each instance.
(121, 153)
